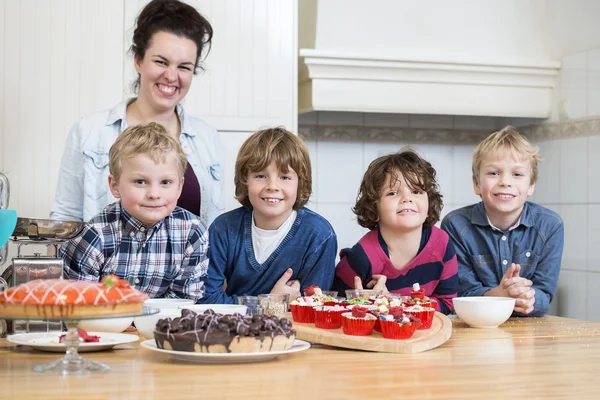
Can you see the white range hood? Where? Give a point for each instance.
(487, 58)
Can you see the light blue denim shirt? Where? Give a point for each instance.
(484, 253)
(82, 190)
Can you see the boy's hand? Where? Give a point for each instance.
(525, 305)
(285, 286)
(519, 288)
(377, 283)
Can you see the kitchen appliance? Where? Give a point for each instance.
(33, 233)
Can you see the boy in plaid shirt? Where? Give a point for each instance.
(160, 248)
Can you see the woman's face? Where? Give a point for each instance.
(166, 71)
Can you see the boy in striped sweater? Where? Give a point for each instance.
(399, 201)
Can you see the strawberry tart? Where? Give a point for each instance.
(58, 298)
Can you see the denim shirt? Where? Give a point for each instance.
(82, 190)
(484, 254)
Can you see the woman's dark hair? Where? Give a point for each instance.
(175, 17)
(417, 171)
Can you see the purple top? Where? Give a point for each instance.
(190, 195)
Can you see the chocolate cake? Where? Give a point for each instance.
(217, 333)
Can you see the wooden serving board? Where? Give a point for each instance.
(422, 340)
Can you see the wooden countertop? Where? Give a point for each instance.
(551, 357)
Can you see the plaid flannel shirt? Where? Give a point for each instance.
(167, 260)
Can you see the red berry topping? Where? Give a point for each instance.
(359, 312)
(309, 291)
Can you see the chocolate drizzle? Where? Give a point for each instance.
(207, 329)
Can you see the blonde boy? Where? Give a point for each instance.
(507, 246)
(272, 244)
(160, 248)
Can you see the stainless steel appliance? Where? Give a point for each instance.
(31, 233)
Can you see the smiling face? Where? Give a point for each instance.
(272, 194)
(504, 185)
(401, 207)
(148, 190)
(166, 71)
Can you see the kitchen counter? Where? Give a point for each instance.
(534, 357)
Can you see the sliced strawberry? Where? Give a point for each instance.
(83, 335)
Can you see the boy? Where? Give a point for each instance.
(507, 246)
(272, 244)
(161, 249)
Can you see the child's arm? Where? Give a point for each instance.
(354, 264)
(189, 282)
(468, 284)
(83, 256)
(447, 286)
(217, 265)
(319, 267)
(545, 277)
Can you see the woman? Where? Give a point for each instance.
(167, 47)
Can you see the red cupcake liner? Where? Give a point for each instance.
(377, 326)
(426, 317)
(327, 319)
(330, 303)
(357, 326)
(395, 330)
(303, 314)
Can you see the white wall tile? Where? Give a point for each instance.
(573, 74)
(593, 170)
(575, 218)
(593, 237)
(593, 102)
(374, 150)
(572, 294)
(314, 163)
(340, 171)
(593, 296)
(386, 120)
(338, 118)
(547, 188)
(475, 123)
(462, 185)
(574, 103)
(440, 157)
(343, 220)
(573, 170)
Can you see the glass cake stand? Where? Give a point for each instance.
(72, 363)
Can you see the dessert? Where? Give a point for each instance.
(302, 309)
(329, 317)
(424, 314)
(418, 297)
(217, 333)
(386, 305)
(84, 336)
(325, 297)
(58, 298)
(398, 327)
(358, 322)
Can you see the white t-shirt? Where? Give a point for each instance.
(266, 242)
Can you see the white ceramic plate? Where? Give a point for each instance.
(226, 358)
(48, 341)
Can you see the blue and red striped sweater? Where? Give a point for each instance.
(434, 268)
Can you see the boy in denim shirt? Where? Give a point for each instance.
(507, 246)
(160, 248)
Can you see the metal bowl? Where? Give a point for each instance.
(35, 228)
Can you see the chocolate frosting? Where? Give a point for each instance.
(210, 328)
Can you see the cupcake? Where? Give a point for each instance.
(358, 322)
(424, 314)
(400, 327)
(325, 297)
(303, 309)
(386, 305)
(329, 317)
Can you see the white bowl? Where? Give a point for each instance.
(167, 303)
(145, 325)
(112, 325)
(218, 308)
(484, 311)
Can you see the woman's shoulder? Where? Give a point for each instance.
(99, 125)
(194, 125)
